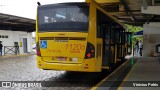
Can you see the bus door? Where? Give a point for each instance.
(123, 45)
(107, 52)
(113, 45)
(118, 40)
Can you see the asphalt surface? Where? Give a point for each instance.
(25, 69)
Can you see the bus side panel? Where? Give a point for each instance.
(99, 50)
(113, 54)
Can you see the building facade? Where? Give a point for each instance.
(16, 38)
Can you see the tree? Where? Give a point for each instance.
(134, 29)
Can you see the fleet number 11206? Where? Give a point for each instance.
(75, 46)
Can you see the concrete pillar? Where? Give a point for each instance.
(151, 37)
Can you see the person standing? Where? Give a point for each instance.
(140, 47)
(137, 47)
(1, 48)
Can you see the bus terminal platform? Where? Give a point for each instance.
(137, 73)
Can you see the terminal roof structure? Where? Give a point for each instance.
(16, 23)
(129, 11)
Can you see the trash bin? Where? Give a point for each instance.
(158, 48)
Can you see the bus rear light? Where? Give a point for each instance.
(88, 55)
(38, 49)
(90, 51)
(39, 53)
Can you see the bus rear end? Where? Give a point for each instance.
(62, 31)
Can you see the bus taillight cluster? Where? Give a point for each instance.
(38, 49)
(90, 51)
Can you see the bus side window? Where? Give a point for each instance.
(99, 25)
(102, 24)
(112, 35)
(117, 37)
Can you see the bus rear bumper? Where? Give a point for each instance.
(68, 67)
(87, 66)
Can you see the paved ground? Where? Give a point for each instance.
(24, 69)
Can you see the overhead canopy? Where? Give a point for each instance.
(129, 11)
(15, 23)
(139, 33)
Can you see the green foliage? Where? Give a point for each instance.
(134, 29)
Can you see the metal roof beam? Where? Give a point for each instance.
(128, 10)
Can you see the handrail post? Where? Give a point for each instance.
(15, 50)
(4, 50)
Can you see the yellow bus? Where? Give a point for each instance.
(78, 37)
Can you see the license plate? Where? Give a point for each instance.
(61, 58)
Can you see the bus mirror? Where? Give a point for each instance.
(38, 3)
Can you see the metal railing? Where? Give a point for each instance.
(11, 49)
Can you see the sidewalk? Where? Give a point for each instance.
(145, 71)
(114, 79)
(17, 55)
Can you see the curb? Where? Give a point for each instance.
(14, 56)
